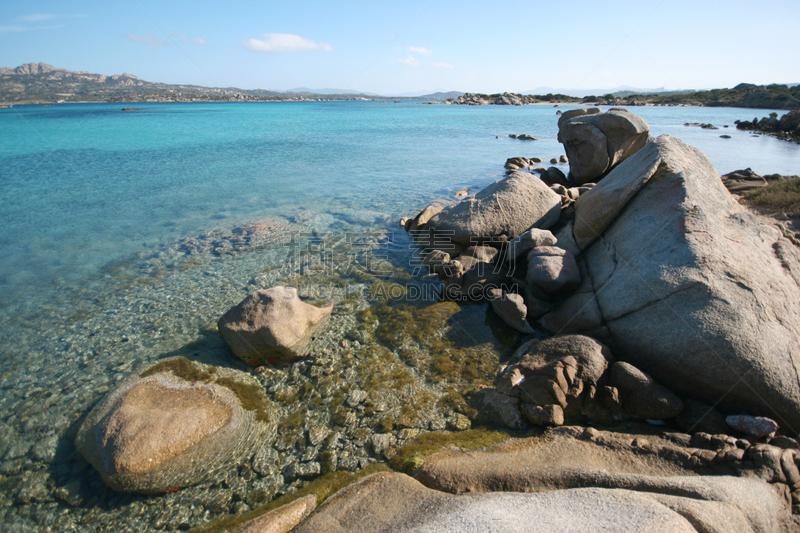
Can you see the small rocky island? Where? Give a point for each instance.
(655, 387)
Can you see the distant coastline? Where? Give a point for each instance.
(39, 83)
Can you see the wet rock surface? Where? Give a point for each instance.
(178, 424)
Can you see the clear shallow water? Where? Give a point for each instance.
(81, 185)
(107, 263)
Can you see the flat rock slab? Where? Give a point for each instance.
(649, 466)
(395, 502)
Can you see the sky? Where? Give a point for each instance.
(415, 46)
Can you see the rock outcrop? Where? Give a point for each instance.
(596, 142)
(731, 492)
(507, 207)
(787, 127)
(180, 423)
(271, 325)
(687, 285)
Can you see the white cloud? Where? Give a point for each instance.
(285, 42)
(149, 38)
(442, 65)
(410, 60)
(11, 28)
(40, 17)
(421, 50)
(188, 39)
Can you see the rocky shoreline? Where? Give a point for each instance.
(786, 128)
(529, 390)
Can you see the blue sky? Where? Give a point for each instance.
(405, 47)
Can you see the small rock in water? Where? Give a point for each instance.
(757, 426)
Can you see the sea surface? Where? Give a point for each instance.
(125, 235)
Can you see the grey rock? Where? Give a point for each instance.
(485, 254)
(532, 238)
(597, 142)
(435, 260)
(396, 502)
(282, 519)
(684, 263)
(547, 415)
(381, 442)
(552, 269)
(30, 487)
(425, 215)
(507, 207)
(560, 370)
(755, 426)
(699, 417)
(511, 308)
(495, 408)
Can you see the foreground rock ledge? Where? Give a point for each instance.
(396, 502)
(183, 425)
(579, 479)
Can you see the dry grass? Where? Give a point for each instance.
(783, 195)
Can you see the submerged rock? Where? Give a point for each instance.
(271, 324)
(178, 424)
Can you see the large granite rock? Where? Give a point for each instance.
(178, 424)
(688, 286)
(271, 325)
(661, 468)
(596, 142)
(398, 503)
(508, 207)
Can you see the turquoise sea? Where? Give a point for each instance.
(120, 244)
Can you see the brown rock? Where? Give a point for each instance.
(282, 519)
(642, 396)
(182, 425)
(422, 219)
(511, 308)
(271, 324)
(547, 415)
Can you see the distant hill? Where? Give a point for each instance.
(42, 83)
(442, 96)
(306, 90)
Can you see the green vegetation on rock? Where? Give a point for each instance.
(322, 487)
(409, 457)
(250, 396)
